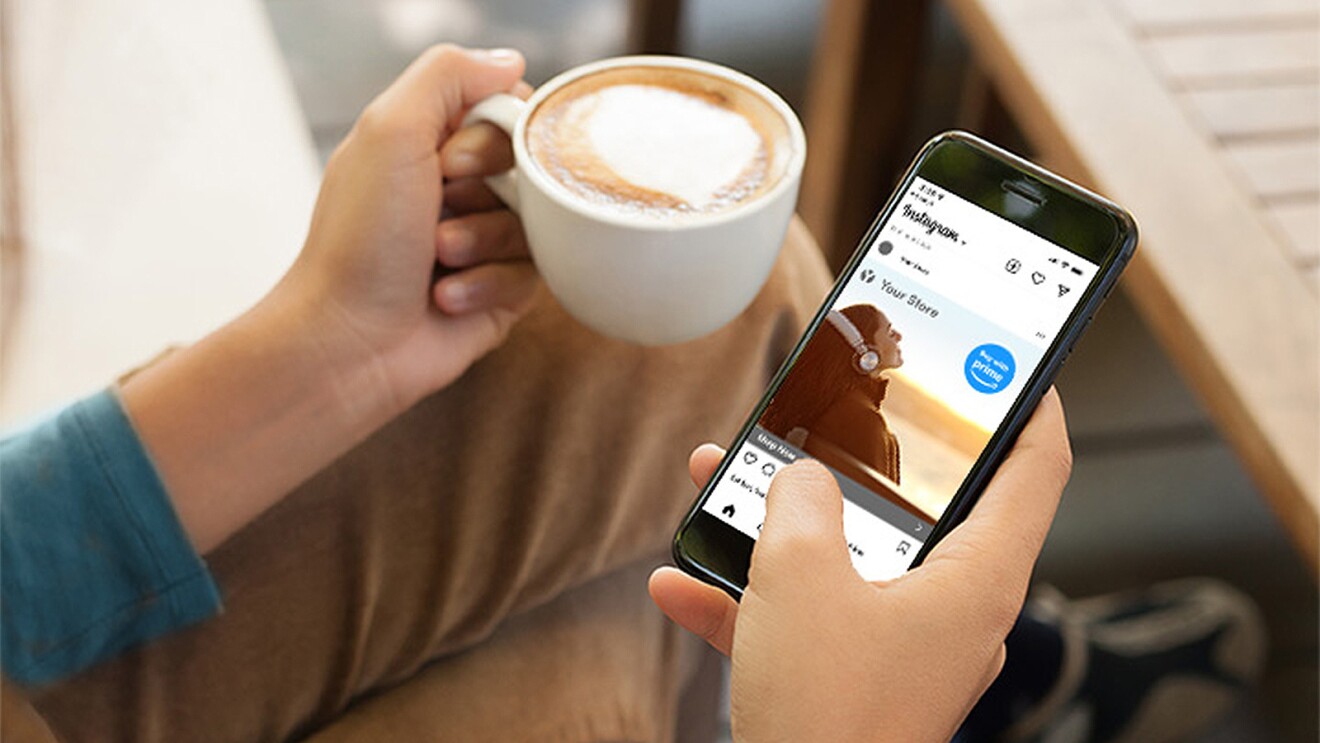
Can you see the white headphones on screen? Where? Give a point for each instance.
(866, 359)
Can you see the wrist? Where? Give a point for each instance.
(236, 421)
(331, 355)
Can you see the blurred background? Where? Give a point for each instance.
(341, 53)
(1159, 491)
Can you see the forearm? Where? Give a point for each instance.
(356, 332)
(95, 559)
(239, 419)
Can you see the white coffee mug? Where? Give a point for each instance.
(633, 277)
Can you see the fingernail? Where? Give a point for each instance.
(457, 295)
(497, 56)
(461, 162)
(459, 242)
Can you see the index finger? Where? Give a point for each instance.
(478, 150)
(431, 95)
(703, 463)
(481, 149)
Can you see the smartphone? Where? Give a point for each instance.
(925, 361)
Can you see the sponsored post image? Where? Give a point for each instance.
(911, 372)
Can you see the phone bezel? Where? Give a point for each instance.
(719, 554)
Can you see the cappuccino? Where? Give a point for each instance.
(659, 143)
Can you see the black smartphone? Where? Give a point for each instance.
(927, 358)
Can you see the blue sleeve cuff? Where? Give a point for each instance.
(94, 558)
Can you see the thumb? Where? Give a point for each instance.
(430, 97)
(803, 530)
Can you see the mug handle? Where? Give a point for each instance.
(502, 110)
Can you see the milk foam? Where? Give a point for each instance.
(659, 143)
(667, 141)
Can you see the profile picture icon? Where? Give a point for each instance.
(884, 248)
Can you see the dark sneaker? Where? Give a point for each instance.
(1151, 665)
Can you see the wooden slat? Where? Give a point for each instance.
(982, 110)
(1276, 169)
(1257, 111)
(1241, 325)
(654, 26)
(1161, 16)
(857, 138)
(1231, 58)
(1300, 224)
(834, 74)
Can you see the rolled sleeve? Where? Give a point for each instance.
(93, 558)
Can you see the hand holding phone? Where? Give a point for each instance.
(820, 654)
(923, 364)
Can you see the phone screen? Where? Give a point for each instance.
(934, 336)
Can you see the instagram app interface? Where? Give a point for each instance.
(914, 368)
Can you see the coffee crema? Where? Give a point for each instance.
(659, 142)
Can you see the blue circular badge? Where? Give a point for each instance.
(989, 368)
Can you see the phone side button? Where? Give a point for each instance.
(1073, 343)
(1081, 332)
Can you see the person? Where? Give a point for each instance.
(831, 405)
(363, 529)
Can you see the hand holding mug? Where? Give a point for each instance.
(360, 328)
(376, 233)
(655, 191)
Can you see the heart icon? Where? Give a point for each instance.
(749, 457)
(1037, 277)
